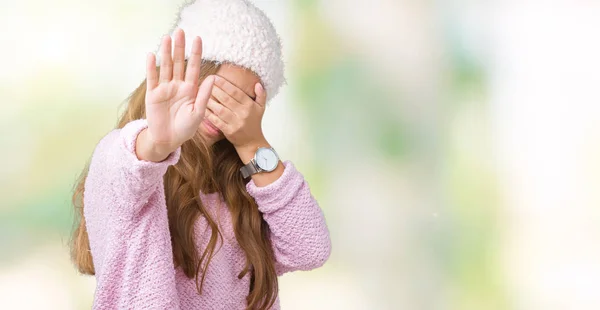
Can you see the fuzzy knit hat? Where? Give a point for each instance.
(236, 32)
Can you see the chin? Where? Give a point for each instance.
(210, 138)
(213, 140)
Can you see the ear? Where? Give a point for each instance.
(261, 95)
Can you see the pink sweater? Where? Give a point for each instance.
(126, 218)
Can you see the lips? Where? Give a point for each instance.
(212, 128)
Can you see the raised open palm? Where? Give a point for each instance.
(175, 104)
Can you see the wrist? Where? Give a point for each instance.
(247, 151)
(147, 149)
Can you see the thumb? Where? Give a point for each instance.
(204, 94)
(261, 94)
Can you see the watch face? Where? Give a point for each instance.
(266, 159)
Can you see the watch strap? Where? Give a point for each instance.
(249, 169)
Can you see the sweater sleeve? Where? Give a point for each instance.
(298, 231)
(120, 166)
(127, 224)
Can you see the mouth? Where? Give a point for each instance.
(212, 129)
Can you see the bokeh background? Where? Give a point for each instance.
(454, 146)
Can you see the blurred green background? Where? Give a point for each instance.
(453, 145)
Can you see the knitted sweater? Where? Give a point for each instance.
(126, 218)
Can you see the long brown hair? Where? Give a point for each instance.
(206, 169)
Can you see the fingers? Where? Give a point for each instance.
(261, 94)
(217, 121)
(166, 63)
(232, 90)
(193, 67)
(179, 54)
(151, 74)
(224, 98)
(203, 94)
(221, 111)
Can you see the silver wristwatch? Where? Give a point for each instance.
(265, 159)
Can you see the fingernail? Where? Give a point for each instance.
(259, 87)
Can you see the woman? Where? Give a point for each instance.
(186, 205)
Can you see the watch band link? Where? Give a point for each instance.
(249, 169)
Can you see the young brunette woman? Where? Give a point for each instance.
(186, 205)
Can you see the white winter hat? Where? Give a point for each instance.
(236, 32)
